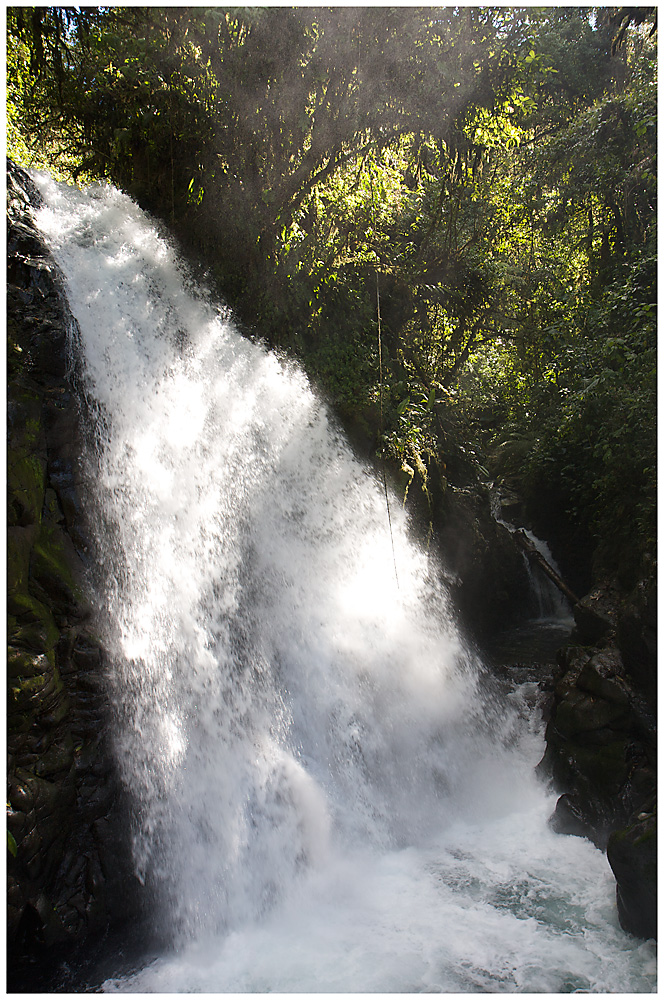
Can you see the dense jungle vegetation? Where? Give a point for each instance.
(448, 214)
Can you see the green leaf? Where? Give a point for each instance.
(12, 846)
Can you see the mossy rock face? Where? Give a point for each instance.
(25, 689)
(41, 697)
(52, 510)
(20, 541)
(26, 663)
(26, 456)
(41, 794)
(637, 637)
(580, 713)
(597, 779)
(53, 559)
(490, 587)
(66, 814)
(25, 435)
(592, 623)
(58, 759)
(33, 625)
(605, 768)
(25, 488)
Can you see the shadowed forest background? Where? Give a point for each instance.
(482, 180)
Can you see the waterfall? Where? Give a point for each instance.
(551, 605)
(329, 794)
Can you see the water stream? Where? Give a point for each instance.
(533, 642)
(331, 795)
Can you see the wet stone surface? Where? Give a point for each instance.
(602, 745)
(69, 876)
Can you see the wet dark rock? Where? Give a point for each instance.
(65, 801)
(602, 743)
(511, 507)
(489, 581)
(602, 676)
(636, 637)
(595, 616)
(570, 818)
(632, 854)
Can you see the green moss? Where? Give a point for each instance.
(41, 697)
(24, 688)
(604, 767)
(11, 844)
(19, 549)
(610, 688)
(26, 462)
(25, 485)
(34, 626)
(57, 713)
(52, 508)
(50, 562)
(646, 837)
(26, 663)
(41, 686)
(25, 420)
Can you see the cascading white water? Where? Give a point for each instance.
(552, 606)
(328, 796)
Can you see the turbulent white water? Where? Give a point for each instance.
(328, 798)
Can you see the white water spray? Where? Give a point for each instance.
(327, 797)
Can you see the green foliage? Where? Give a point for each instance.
(597, 448)
(482, 178)
(565, 398)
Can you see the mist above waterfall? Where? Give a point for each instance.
(329, 793)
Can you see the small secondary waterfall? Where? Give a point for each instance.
(552, 606)
(330, 796)
(550, 619)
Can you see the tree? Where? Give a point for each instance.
(430, 206)
(233, 116)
